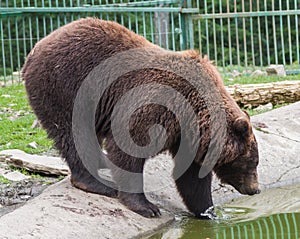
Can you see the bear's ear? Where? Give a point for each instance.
(241, 126)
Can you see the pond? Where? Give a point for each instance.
(274, 213)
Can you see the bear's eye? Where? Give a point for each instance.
(241, 126)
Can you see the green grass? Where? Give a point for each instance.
(26, 172)
(16, 120)
(4, 180)
(252, 112)
(257, 79)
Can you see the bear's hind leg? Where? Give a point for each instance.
(88, 183)
(81, 177)
(128, 174)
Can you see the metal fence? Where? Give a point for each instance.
(249, 33)
(244, 34)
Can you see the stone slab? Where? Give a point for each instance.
(15, 176)
(63, 212)
(35, 163)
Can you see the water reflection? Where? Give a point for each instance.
(284, 225)
(273, 214)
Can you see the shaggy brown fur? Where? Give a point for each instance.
(53, 73)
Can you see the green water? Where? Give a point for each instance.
(274, 213)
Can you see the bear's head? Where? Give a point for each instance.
(239, 164)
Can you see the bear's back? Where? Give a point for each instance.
(76, 48)
(57, 65)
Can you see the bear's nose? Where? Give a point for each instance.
(258, 191)
(253, 192)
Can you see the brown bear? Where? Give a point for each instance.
(56, 68)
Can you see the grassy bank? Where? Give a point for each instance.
(257, 79)
(16, 118)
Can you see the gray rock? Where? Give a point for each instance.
(276, 70)
(235, 73)
(63, 211)
(259, 73)
(35, 163)
(33, 145)
(15, 176)
(268, 106)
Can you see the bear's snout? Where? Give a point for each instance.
(253, 192)
(249, 189)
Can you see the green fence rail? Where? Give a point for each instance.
(246, 34)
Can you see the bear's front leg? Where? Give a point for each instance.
(127, 172)
(195, 191)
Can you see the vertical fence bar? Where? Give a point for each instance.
(144, 24)
(237, 37)
(58, 16)
(274, 34)
(222, 35)
(206, 30)
(200, 36)
(18, 46)
(245, 37)
(65, 18)
(30, 32)
(129, 21)
(281, 32)
(289, 33)
(44, 20)
(182, 26)
(10, 48)
(3, 50)
(37, 23)
(259, 35)
(190, 27)
(158, 28)
(72, 15)
(297, 33)
(267, 32)
(251, 34)
(151, 27)
(229, 35)
(136, 24)
(167, 34)
(51, 18)
(214, 33)
(24, 37)
(173, 31)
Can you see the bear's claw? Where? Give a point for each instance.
(139, 204)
